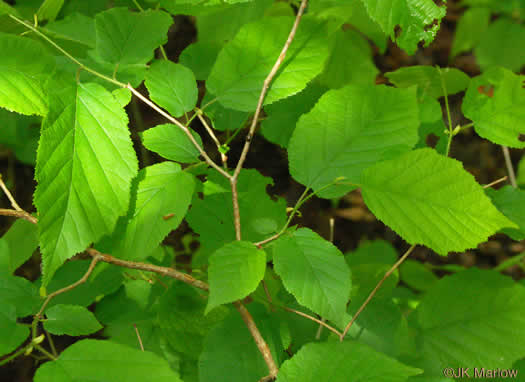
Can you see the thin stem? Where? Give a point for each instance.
(82, 280)
(182, 127)
(213, 136)
(9, 196)
(51, 343)
(258, 338)
(13, 356)
(236, 212)
(165, 271)
(495, 182)
(445, 94)
(138, 336)
(510, 168)
(18, 214)
(265, 87)
(298, 204)
(45, 352)
(65, 53)
(322, 323)
(374, 291)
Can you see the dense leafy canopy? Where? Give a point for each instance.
(199, 273)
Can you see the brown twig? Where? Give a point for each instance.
(510, 168)
(18, 214)
(224, 158)
(253, 125)
(138, 336)
(374, 291)
(495, 182)
(258, 338)
(82, 280)
(9, 196)
(165, 271)
(320, 322)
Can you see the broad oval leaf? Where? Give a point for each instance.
(430, 79)
(170, 142)
(97, 360)
(85, 165)
(238, 75)
(124, 37)
(417, 20)
(471, 307)
(315, 272)
(348, 130)
(235, 271)
(160, 202)
(431, 200)
(172, 86)
(495, 102)
(72, 320)
(343, 361)
(511, 202)
(22, 78)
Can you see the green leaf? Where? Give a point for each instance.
(230, 353)
(125, 37)
(182, 320)
(348, 130)
(134, 304)
(85, 165)
(445, 209)
(418, 20)
(22, 240)
(75, 32)
(416, 275)
(163, 196)
(223, 118)
(172, 86)
(349, 46)
(428, 79)
(89, 359)
(170, 142)
(381, 325)
(22, 78)
(282, 116)
(241, 67)
(72, 320)
(221, 24)
(315, 272)
(20, 133)
(503, 44)
(475, 317)
(520, 178)
(469, 30)
(234, 273)
(495, 102)
(372, 252)
(511, 202)
(212, 216)
(12, 334)
(49, 10)
(359, 18)
(103, 281)
(19, 293)
(200, 57)
(343, 361)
